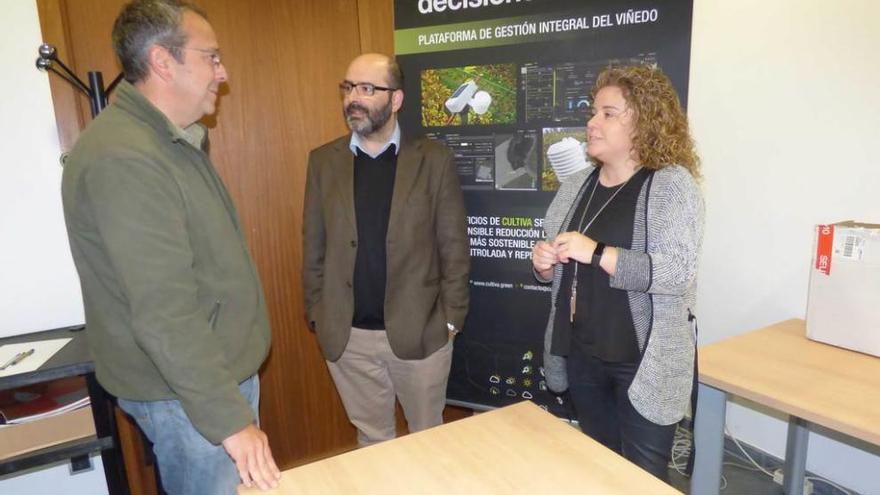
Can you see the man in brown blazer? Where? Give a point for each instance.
(386, 258)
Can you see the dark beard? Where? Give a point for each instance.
(375, 119)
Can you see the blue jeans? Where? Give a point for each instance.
(599, 395)
(188, 463)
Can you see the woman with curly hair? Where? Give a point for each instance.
(622, 258)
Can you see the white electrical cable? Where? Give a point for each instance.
(681, 450)
(761, 468)
(735, 441)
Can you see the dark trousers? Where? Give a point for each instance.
(598, 393)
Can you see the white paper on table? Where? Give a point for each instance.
(43, 350)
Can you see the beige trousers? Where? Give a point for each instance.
(369, 376)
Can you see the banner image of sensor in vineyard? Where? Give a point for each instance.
(564, 152)
(507, 87)
(470, 95)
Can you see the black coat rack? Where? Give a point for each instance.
(47, 60)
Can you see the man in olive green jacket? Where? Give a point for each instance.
(175, 315)
(386, 258)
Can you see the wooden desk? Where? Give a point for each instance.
(779, 367)
(516, 449)
(73, 359)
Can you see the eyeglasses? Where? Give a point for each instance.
(213, 55)
(363, 88)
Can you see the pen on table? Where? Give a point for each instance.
(17, 358)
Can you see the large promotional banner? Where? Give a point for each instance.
(500, 82)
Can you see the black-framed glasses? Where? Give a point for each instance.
(213, 55)
(363, 88)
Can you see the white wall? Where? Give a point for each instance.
(39, 289)
(57, 480)
(785, 107)
(38, 285)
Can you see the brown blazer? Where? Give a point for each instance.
(428, 259)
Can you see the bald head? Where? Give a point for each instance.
(377, 66)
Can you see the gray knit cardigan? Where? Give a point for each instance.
(661, 285)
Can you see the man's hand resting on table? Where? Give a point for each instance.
(249, 448)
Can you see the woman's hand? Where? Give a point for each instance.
(574, 246)
(543, 259)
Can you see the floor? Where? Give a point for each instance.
(740, 480)
(739, 475)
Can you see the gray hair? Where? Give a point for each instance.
(395, 75)
(144, 23)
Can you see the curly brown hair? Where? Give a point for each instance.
(661, 136)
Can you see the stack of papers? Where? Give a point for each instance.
(73, 406)
(39, 401)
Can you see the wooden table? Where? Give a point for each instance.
(779, 367)
(516, 449)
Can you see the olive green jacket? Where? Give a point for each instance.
(173, 303)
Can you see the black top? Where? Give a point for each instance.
(373, 188)
(603, 325)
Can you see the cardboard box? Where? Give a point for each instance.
(843, 306)
(20, 439)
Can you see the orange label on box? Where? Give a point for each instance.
(824, 247)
